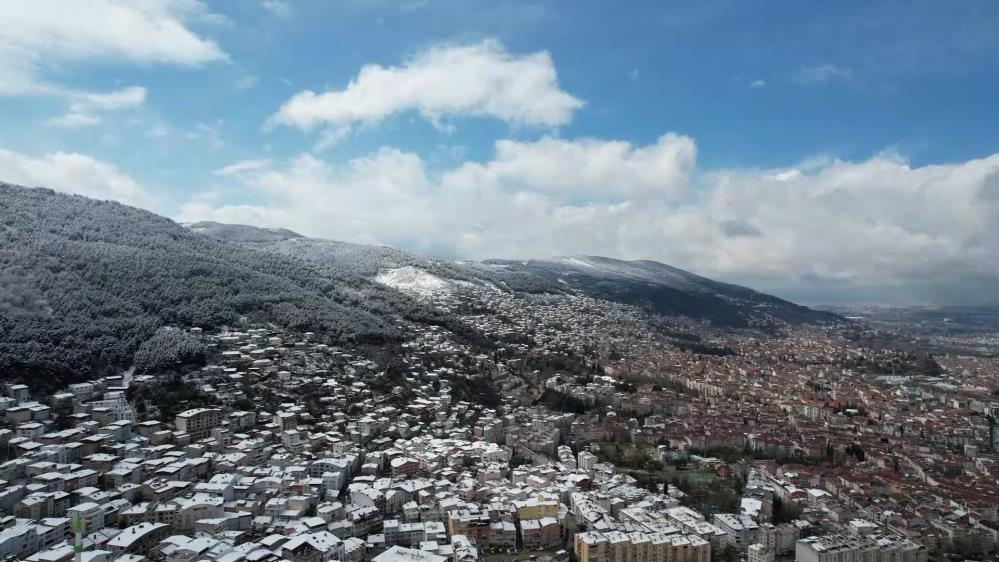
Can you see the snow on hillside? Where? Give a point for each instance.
(415, 281)
(412, 280)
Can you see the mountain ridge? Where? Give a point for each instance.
(85, 283)
(669, 289)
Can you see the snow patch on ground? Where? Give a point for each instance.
(416, 281)
(412, 280)
(577, 261)
(489, 286)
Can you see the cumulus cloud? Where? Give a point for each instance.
(73, 173)
(481, 79)
(878, 221)
(84, 107)
(331, 137)
(37, 34)
(591, 168)
(384, 196)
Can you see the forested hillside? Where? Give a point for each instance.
(664, 289)
(368, 261)
(656, 287)
(84, 283)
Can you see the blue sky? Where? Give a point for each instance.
(708, 122)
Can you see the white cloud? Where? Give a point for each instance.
(84, 107)
(820, 74)
(73, 173)
(157, 131)
(278, 8)
(245, 83)
(481, 79)
(113, 101)
(876, 221)
(590, 168)
(634, 75)
(40, 34)
(757, 84)
(331, 137)
(242, 167)
(860, 223)
(74, 120)
(211, 134)
(389, 189)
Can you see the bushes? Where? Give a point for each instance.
(167, 349)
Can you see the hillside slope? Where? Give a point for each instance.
(369, 261)
(663, 289)
(656, 287)
(83, 283)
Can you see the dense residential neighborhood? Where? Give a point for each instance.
(499, 281)
(592, 432)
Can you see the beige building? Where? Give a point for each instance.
(616, 546)
(199, 422)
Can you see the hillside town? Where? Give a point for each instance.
(589, 431)
(499, 281)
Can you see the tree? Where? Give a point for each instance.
(856, 451)
(785, 512)
(169, 348)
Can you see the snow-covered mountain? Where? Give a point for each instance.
(85, 283)
(657, 287)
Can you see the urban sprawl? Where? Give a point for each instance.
(588, 431)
